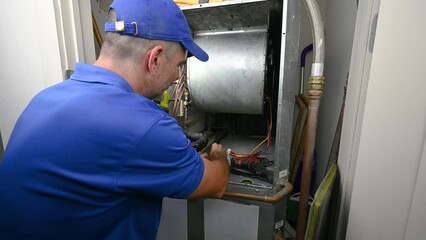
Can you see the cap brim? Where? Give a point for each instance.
(195, 50)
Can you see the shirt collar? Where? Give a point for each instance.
(94, 74)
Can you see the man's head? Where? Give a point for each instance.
(157, 20)
(151, 36)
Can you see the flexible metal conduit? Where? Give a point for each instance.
(286, 188)
(316, 82)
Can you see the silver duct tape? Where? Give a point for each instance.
(317, 69)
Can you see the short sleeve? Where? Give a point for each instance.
(163, 163)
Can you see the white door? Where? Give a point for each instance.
(388, 195)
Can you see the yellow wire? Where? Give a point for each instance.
(270, 128)
(258, 145)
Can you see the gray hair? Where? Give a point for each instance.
(125, 48)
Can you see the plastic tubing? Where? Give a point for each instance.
(304, 52)
(318, 36)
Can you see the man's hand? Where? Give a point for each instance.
(216, 174)
(217, 152)
(205, 155)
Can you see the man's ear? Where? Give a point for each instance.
(154, 58)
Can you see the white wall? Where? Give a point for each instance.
(391, 141)
(29, 59)
(339, 19)
(39, 41)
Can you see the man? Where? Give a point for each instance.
(93, 156)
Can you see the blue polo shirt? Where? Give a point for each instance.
(91, 159)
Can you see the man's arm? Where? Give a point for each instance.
(216, 174)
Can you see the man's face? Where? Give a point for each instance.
(171, 71)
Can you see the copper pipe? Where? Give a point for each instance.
(278, 236)
(316, 82)
(96, 31)
(286, 189)
(315, 93)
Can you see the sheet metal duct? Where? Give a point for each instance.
(232, 81)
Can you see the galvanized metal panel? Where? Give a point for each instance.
(228, 14)
(173, 223)
(227, 220)
(232, 81)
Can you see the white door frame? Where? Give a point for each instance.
(75, 33)
(354, 107)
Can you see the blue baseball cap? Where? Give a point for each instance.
(154, 19)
